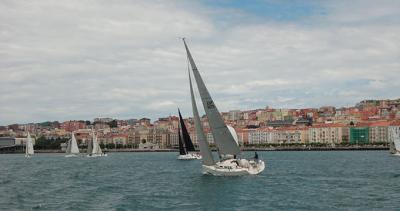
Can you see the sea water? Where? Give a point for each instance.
(331, 180)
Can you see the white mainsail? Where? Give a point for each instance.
(222, 136)
(96, 145)
(29, 146)
(397, 143)
(207, 158)
(74, 145)
(68, 151)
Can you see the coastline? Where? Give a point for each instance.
(285, 148)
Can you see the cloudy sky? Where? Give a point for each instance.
(81, 59)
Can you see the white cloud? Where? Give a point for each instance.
(81, 59)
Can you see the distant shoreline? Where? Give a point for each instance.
(286, 148)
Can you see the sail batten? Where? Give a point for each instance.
(222, 136)
(207, 158)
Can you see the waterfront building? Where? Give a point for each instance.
(7, 141)
(327, 133)
(260, 136)
(173, 138)
(359, 135)
(119, 139)
(285, 135)
(289, 135)
(22, 141)
(243, 135)
(378, 132)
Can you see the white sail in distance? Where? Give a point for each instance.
(207, 158)
(74, 145)
(29, 145)
(222, 136)
(397, 142)
(96, 145)
(68, 151)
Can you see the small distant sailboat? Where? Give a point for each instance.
(395, 145)
(72, 148)
(94, 149)
(225, 137)
(186, 147)
(29, 146)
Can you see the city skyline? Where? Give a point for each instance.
(92, 59)
(369, 103)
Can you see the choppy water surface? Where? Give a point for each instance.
(145, 181)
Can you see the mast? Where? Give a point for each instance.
(185, 135)
(26, 147)
(222, 136)
(207, 158)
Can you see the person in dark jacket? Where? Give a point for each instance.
(255, 156)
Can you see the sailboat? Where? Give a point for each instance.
(29, 146)
(395, 145)
(72, 148)
(230, 163)
(94, 149)
(186, 147)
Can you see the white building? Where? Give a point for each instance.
(260, 137)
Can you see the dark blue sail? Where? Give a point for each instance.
(185, 135)
(181, 147)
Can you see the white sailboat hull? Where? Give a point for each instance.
(235, 167)
(189, 157)
(71, 155)
(396, 154)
